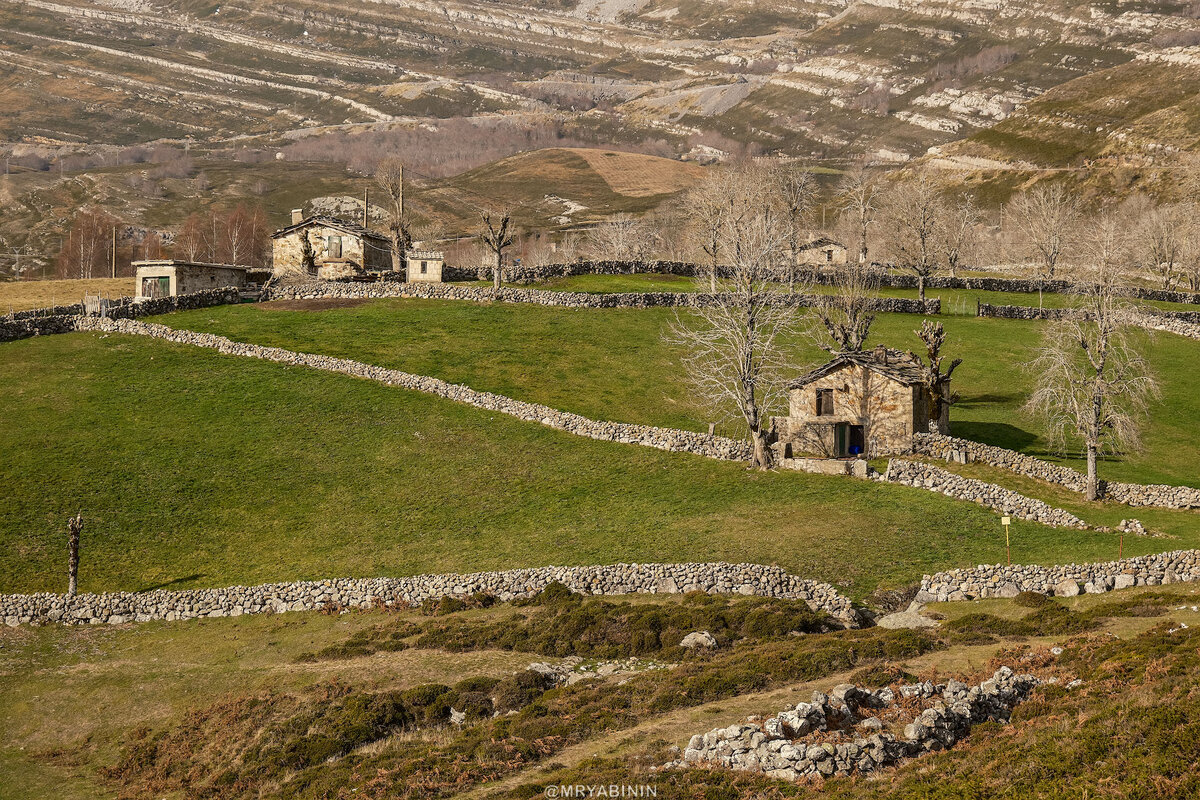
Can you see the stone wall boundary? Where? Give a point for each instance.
(365, 593)
(672, 439)
(1064, 580)
(950, 448)
(997, 498)
(479, 294)
(62, 319)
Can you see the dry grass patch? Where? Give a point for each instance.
(22, 295)
(636, 175)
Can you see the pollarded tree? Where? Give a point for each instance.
(933, 336)
(1092, 384)
(844, 316)
(498, 234)
(734, 344)
(914, 220)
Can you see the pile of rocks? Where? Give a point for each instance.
(703, 444)
(842, 734)
(1066, 580)
(478, 294)
(234, 601)
(962, 451)
(997, 498)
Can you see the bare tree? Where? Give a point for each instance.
(858, 199)
(914, 216)
(390, 177)
(733, 345)
(1158, 237)
(937, 382)
(959, 230)
(1092, 382)
(1047, 216)
(621, 238)
(88, 249)
(498, 234)
(796, 189)
(74, 530)
(308, 258)
(1189, 256)
(844, 316)
(705, 208)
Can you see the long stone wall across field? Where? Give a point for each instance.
(997, 498)
(895, 280)
(62, 319)
(718, 447)
(1066, 580)
(234, 601)
(1149, 316)
(477, 294)
(1152, 495)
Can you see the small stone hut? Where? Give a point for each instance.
(424, 266)
(167, 277)
(821, 251)
(866, 404)
(340, 249)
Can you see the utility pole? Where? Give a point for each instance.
(366, 209)
(113, 254)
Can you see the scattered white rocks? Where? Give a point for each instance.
(702, 640)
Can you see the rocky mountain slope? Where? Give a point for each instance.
(803, 78)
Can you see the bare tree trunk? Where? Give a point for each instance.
(921, 288)
(74, 528)
(762, 452)
(496, 272)
(1093, 483)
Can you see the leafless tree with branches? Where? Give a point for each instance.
(796, 190)
(498, 234)
(933, 336)
(1159, 241)
(859, 197)
(734, 344)
(1092, 382)
(914, 218)
(621, 238)
(844, 316)
(74, 531)
(705, 208)
(959, 230)
(389, 174)
(1048, 217)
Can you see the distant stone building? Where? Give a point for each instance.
(167, 277)
(865, 404)
(339, 249)
(821, 251)
(424, 266)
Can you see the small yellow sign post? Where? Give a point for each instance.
(1006, 521)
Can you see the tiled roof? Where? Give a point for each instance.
(352, 228)
(894, 364)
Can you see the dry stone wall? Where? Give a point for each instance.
(950, 448)
(997, 498)
(1065, 580)
(234, 601)
(718, 447)
(1150, 316)
(841, 733)
(478, 294)
(62, 319)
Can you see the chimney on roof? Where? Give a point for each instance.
(297, 216)
(881, 353)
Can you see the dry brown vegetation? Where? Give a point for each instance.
(21, 295)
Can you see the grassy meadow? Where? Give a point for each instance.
(198, 469)
(614, 364)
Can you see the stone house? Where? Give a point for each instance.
(167, 277)
(821, 251)
(424, 266)
(340, 249)
(866, 404)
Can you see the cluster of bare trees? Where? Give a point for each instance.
(99, 245)
(238, 236)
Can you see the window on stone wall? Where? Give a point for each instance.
(333, 247)
(424, 267)
(824, 402)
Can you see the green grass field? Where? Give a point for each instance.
(198, 469)
(613, 364)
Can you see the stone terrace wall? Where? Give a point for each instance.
(442, 291)
(1131, 494)
(234, 601)
(61, 319)
(1032, 312)
(926, 476)
(999, 580)
(703, 444)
